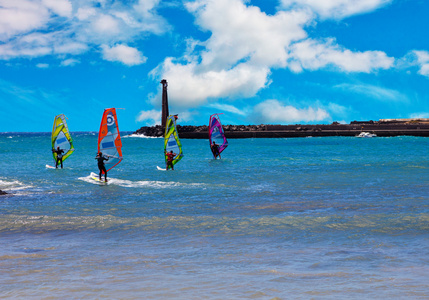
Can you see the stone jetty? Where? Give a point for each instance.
(382, 128)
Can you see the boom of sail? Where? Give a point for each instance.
(61, 137)
(109, 139)
(171, 140)
(216, 133)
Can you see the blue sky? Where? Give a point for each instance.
(256, 61)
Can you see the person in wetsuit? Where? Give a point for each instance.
(100, 159)
(59, 153)
(215, 150)
(170, 158)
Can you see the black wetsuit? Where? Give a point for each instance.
(215, 150)
(101, 166)
(59, 153)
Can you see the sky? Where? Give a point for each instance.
(255, 61)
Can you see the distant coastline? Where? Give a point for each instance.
(382, 128)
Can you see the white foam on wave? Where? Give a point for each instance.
(141, 136)
(14, 185)
(138, 183)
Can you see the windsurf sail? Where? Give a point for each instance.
(216, 133)
(61, 137)
(171, 140)
(109, 139)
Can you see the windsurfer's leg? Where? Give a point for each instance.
(101, 171)
(61, 160)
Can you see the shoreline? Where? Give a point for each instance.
(380, 128)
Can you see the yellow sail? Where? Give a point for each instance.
(61, 137)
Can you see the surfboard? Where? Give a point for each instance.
(161, 169)
(95, 178)
(50, 167)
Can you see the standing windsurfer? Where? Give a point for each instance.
(170, 157)
(100, 158)
(215, 150)
(59, 159)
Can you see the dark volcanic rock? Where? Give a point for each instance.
(276, 131)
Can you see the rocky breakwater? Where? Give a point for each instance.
(380, 128)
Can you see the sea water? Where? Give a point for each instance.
(281, 218)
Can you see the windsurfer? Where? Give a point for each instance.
(59, 159)
(170, 157)
(215, 150)
(100, 158)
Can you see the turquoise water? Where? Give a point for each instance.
(321, 218)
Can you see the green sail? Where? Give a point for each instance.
(171, 140)
(61, 137)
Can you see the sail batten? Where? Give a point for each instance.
(109, 139)
(171, 140)
(216, 133)
(60, 137)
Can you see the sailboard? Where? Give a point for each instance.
(216, 133)
(109, 139)
(171, 140)
(95, 178)
(60, 137)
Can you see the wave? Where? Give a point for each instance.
(13, 185)
(138, 183)
(141, 136)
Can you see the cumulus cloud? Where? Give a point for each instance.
(312, 55)
(122, 53)
(60, 7)
(337, 9)
(21, 16)
(237, 59)
(191, 87)
(66, 27)
(151, 117)
(422, 62)
(272, 111)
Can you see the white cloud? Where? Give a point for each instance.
(229, 108)
(421, 115)
(245, 45)
(272, 111)
(66, 27)
(106, 24)
(60, 7)
(372, 91)
(69, 62)
(246, 33)
(84, 13)
(122, 53)
(70, 47)
(313, 55)
(21, 16)
(42, 66)
(150, 115)
(337, 9)
(423, 62)
(191, 87)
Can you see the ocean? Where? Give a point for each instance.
(303, 218)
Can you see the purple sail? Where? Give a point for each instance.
(216, 134)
